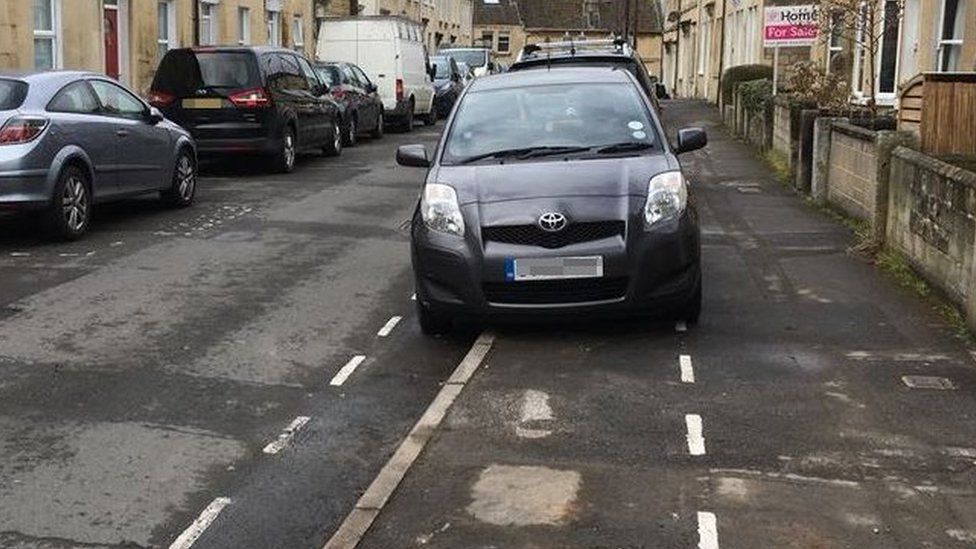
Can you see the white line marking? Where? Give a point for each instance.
(413, 297)
(681, 327)
(707, 531)
(285, 437)
(388, 327)
(19, 254)
(358, 521)
(687, 371)
(347, 370)
(206, 518)
(696, 442)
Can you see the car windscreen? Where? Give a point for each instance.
(329, 74)
(473, 58)
(580, 115)
(443, 67)
(184, 71)
(12, 94)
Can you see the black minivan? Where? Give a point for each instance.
(248, 100)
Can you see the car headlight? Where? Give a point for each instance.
(667, 196)
(440, 210)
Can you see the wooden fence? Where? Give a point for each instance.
(948, 114)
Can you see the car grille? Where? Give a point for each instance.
(532, 235)
(541, 292)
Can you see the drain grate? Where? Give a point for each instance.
(928, 382)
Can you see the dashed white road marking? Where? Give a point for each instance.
(206, 518)
(687, 371)
(19, 254)
(413, 297)
(285, 437)
(696, 442)
(707, 530)
(355, 525)
(388, 327)
(681, 327)
(347, 370)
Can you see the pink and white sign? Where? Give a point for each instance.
(787, 26)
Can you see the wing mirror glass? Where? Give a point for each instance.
(691, 139)
(414, 156)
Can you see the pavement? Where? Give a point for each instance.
(240, 373)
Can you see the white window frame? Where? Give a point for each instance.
(943, 44)
(508, 48)
(274, 27)
(857, 77)
(243, 26)
(210, 7)
(54, 35)
(887, 98)
(170, 42)
(297, 32)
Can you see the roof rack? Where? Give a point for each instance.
(571, 46)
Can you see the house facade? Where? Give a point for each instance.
(126, 39)
(507, 25)
(446, 22)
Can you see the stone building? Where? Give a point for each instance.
(126, 38)
(446, 22)
(507, 25)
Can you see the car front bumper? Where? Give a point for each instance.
(650, 273)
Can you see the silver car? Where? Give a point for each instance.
(69, 140)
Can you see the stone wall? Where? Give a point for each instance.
(782, 142)
(932, 221)
(851, 174)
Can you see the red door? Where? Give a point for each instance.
(112, 42)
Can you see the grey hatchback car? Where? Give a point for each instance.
(70, 139)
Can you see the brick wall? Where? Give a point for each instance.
(852, 176)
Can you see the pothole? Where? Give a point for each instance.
(507, 495)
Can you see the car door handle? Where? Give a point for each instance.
(122, 133)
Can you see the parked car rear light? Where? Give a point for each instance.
(399, 89)
(255, 98)
(22, 129)
(160, 99)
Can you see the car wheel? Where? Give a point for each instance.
(70, 212)
(285, 160)
(184, 186)
(334, 146)
(432, 322)
(380, 129)
(692, 311)
(408, 120)
(352, 129)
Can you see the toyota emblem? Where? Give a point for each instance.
(552, 222)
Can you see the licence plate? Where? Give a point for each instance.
(202, 103)
(553, 268)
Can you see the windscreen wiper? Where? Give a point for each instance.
(626, 146)
(524, 152)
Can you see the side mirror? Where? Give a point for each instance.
(661, 91)
(414, 156)
(371, 88)
(154, 116)
(319, 90)
(691, 139)
(432, 72)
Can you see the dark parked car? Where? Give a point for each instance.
(448, 84)
(359, 103)
(589, 53)
(248, 100)
(71, 139)
(555, 192)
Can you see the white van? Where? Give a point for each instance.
(391, 51)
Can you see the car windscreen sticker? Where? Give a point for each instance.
(639, 135)
(635, 125)
(509, 269)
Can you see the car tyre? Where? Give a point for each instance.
(334, 146)
(430, 119)
(285, 159)
(407, 125)
(380, 129)
(71, 206)
(352, 129)
(184, 186)
(431, 322)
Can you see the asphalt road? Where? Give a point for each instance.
(176, 376)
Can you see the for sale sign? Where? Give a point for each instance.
(790, 26)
